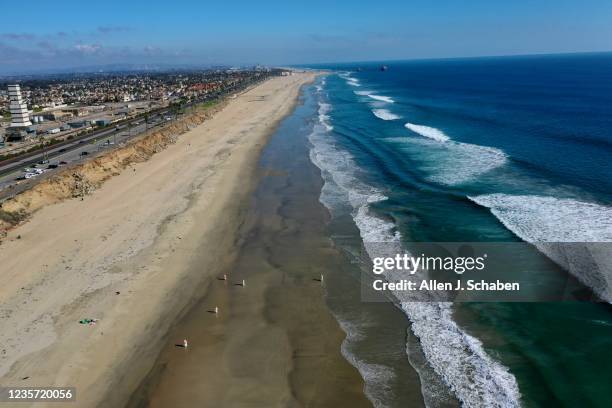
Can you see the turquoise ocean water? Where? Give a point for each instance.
(482, 150)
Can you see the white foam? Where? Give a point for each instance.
(349, 79)
(321, 85)
(385, 114)
(450, 162)
(374, 229)
(381, 98)
(459, 359)
(464, 162)
(324, 108)
(426, 131)
(474, 377)
(542, 220)
(363, 93)
(549, 219)
(337, 167)
(324, 118)
(376, 376)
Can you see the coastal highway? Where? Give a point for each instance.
(11, 175)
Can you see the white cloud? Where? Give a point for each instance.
(88, 48)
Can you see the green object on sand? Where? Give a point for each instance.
(87, 321)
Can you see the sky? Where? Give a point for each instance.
(63, 34)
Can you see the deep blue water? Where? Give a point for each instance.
(491, 149)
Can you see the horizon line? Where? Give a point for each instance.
(170, 66)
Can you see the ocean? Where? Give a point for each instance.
(512, 149)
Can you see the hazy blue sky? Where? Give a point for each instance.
(54, 34)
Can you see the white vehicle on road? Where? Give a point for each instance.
(33, 171)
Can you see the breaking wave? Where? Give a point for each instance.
(449, 162)
(426, 131)
(349, 79)
(552, 223)
(381, 98)
(324, 109)
(385, 114)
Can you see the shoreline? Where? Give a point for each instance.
(274, 341)
(123, 253)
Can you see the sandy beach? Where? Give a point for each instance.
(274, 341)
(137, 254)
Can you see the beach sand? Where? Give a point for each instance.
(274, 341)
(138, 254)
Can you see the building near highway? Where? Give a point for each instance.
(103, 122)
(20, 117)
(76, 124)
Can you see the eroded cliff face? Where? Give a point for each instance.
(81, 179)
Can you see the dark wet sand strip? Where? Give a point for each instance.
(273, 341)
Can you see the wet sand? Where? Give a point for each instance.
(274, 342)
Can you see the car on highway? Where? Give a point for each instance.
(84, 153)
(62, 150)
